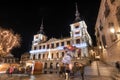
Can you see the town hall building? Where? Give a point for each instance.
(50, 52)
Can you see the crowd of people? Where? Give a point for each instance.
(19, 70)
(67, 71)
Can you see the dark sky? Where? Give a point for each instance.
(25, 19)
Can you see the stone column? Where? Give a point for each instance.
(36, 56)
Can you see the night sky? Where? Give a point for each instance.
(25, 18)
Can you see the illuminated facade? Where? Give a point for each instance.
(9, 58)
(108, 30)
(52, 51)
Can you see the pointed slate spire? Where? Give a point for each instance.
(41, 28)
(77, 15)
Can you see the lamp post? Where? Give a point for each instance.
(112, 30)
(114, 34)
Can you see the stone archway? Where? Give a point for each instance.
(51, 67)
(57, 65)
(45, 68)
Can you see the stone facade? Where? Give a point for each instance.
(51, 52)
(9, 58)
(108, 30)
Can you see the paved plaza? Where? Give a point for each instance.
(95, 71)
(49, 77)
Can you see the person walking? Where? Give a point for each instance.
(11, 69)
(28, 70)
(67, 72)
(62, 70)
(82, 66)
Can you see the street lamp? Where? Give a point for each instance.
(114, 34)
(112, 30)
(100, 47)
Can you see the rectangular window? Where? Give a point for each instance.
(43, 46)
(52, 45)
(107, 9)
(97, 33)
(62, 43)
(48, 46)
(39, 47)
(35, 47)
(68, 42)
(57, 44)
(36, 37)
(104, 41)
(118, 14)
(77, 41)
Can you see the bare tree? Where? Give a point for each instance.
(8, 41)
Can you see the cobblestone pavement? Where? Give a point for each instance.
(48, 77)
(96, 71)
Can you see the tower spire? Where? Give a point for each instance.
(41, 28)
(77, 15)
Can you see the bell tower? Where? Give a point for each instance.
(79, 32)
(40, 36)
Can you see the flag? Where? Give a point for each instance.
(70, 48)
